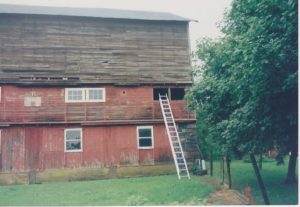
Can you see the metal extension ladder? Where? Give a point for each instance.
(178, 154)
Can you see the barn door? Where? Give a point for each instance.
(12, 150)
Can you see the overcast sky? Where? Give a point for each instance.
(207, 12)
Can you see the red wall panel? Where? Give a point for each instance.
(122, 103)
(38, 148)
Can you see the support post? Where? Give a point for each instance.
(259, 180)
(222, 170)
(211, 163)
(228, 172)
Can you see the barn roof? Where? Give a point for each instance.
(90, 12)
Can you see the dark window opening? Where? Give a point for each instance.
(177, 93)
(161, 91)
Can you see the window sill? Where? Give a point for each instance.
(145, 147)
(73, 151)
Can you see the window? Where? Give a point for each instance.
(161, 91)
(84, 95)
(173, 93)
(74, 95)
(145, 137)
(73, 140)
(177, 93)
(95, 94)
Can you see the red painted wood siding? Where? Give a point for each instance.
(39, 148)
(122, 103)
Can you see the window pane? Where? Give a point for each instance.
(73, 135)
(95, 94)
(145, 133)
(75, 95)
(73, 145)
(145, 142)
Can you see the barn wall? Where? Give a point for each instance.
(41, 148)
(122, 103)
(92, 50)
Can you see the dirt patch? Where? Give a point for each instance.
(225, 196)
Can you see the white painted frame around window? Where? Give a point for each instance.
(87, 95)
(65, 139)
(67, 90)
(138, 138)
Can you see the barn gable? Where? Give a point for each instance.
(60, 46)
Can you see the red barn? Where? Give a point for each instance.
(79, 87)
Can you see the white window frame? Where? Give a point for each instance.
(138, 138)
(65, 139)
(87, 95)
(74, 89)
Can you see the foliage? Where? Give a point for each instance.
(158, 190)
(247, 94)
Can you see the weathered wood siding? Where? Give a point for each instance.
(122, 103)
(92, 50)
(40, 148)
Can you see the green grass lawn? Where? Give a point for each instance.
(159, 190)
(273, 177)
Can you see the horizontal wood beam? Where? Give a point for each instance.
(96, 123)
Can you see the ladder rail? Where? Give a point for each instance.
(171, 141)
(179, 141)
(169, 136)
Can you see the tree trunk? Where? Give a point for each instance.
(211, 163)
(260, 162)
(222, 170)
(228, 172)
(259, 180)
(291, 175)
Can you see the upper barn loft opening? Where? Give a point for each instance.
(81, 46)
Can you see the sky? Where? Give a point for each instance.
(207, 12)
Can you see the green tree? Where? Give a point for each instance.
(247, 92)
